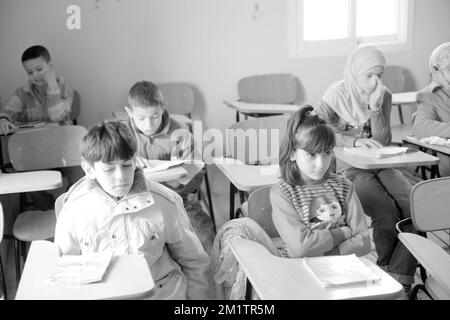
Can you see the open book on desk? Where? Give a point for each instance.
(333, 271)
(379, 153)
(160, 165)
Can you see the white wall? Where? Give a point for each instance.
(208, 43)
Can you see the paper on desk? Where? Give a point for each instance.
(379, 153)
(438, 141)
(160, 165)
(80, 269)
(333, 271)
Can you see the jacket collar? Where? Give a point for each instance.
(137, 198)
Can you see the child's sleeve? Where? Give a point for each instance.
(380, 121)
(59, 102)
(13, 108)
(186, 249)
(65, 237)
(426, 120)
(299, 239)
(359, 243)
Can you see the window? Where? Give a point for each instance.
(336, 27)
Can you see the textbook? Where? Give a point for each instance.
(80, 269)
(333, 271)
(379, 153)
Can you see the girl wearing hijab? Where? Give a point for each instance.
(359, 108)
(432, 117)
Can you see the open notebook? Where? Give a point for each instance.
(160, 165)
(332, 271)
(80, 269)
(379, 153)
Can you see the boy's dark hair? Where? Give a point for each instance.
(305, 130)
(146, 93)
(107, 142)
(35, 52)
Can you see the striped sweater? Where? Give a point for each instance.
(322, 219)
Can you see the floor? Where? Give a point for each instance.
(220, 193)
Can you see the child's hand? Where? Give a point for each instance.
(50, 78)
(367, 143)
(377, 96)
(5, 126)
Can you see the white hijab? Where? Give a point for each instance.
(440, 59)
(346, 97)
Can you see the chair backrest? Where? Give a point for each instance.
(76, 107)
(179, 97)
(430, 204)
(256, 140)
(260, 210)
(46, 148)
(394, 78)
(59, 204)
(268, 88)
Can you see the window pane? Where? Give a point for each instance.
(376, 17)
(325, 19)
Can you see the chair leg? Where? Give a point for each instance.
(3, 275)
(208, 192)
(416, 289)
(17, 258)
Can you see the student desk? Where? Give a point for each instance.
(244, 177)
(411, 158)
(170, 174)
(404, 97)
(128, 277)
(424, 147)
(258, 109)
(29, 181)
(276, 278)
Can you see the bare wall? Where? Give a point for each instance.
(208, 43)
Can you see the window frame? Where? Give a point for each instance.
(298, 48)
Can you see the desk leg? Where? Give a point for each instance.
(237, 116)
(248, 290)
(232, 192)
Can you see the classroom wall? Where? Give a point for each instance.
(208, 43)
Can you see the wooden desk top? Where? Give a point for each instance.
(411, 158)
(128, 277)
(29, 181)
(247, 177)
(245, 107)
(276, 278)
(415, 141)
(404, 97)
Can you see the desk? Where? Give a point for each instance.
(244, 177)
(29, 181)
(411, 158)
(128, 277)
(170, 174)
(276, 278)
(258, 109)
(404, 97)
(424, 147)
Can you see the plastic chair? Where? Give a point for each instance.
(44, 148)
(267, 89)
(260, 210)
(255, 141)
(430, 205)
(2, 271)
